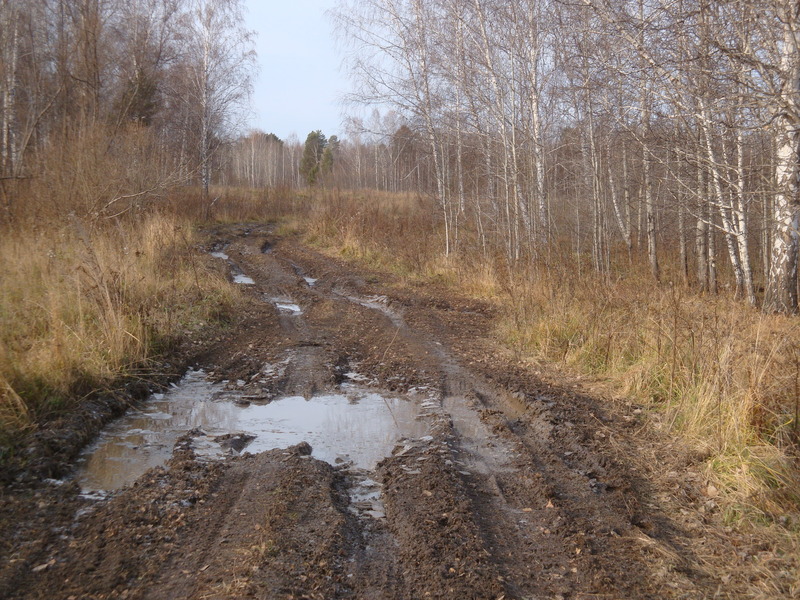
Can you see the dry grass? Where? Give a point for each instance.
(236, 205)
(100, 274)
(392, 232)
(724, 377)
(81, 307)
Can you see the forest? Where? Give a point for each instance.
(619, 179)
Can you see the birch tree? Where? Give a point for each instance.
(220, 61)
(781, 293)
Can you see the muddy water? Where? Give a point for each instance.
(286, 305)
(357, 427)
(381, 304)
(236, 273)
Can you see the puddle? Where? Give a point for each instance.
(488, 452)
(287, 306)
(236, 272)
(298, 270)
(357, 427)
(356, 377)
(365, 495)
(381, 304)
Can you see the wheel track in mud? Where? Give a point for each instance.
(549, 533)
(511, 495)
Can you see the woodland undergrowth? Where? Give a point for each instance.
(723, 376)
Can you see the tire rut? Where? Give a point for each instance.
(511, 494)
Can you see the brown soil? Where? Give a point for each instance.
(526, 488)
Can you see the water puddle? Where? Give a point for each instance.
(488, 452)
(357, 428)
(237, 274)
(381, 304)
(287, 306)
(365, 495)
(298, 270)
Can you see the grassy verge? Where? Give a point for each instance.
(81, 308)
(724, 377)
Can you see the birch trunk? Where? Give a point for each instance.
(721, 202)
(701, 235)
(8, 152)
(740, 222)
(684, 251)
(781, 292)
(623, 223)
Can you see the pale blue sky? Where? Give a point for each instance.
(300, 81)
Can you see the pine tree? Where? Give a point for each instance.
(313, 152)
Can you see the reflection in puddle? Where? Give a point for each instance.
(143, 439)
(339, 428)
(359, 428)
(286, 305)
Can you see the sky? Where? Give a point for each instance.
(300, 81)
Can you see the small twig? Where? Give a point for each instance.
(391, 412)
(390, 344)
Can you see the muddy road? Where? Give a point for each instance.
(492, 482)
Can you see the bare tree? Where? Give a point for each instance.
(219, 61)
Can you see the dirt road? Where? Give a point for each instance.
(521, 488)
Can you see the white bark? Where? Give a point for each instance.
(781, 293)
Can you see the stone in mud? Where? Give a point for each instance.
(234, 441)
(302, 449)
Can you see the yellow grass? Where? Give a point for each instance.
(80, 308)
(725, 377)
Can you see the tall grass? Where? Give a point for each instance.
(233, 205)
(81, 307)
(99, 270)
(724, 377)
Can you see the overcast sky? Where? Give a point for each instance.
(300, 81)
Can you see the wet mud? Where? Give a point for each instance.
(360, 440)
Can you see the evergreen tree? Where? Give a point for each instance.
(329, 155)
(314, 149)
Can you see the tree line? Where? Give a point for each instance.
(623, 130)
(666, 129)
(106, 103)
